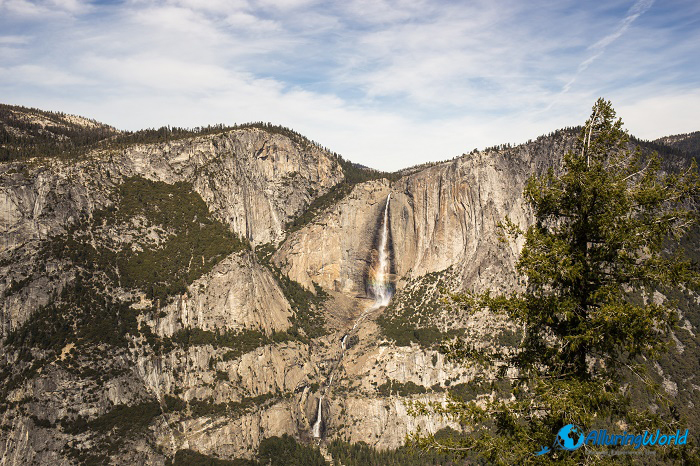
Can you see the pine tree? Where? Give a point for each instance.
(594, 262)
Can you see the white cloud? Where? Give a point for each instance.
(661, 115)
(72, 6)
(213, 6)
(163, 74)
(14, 40)
(40, 75)
(250, 22)
(598, 48)
(388, 83)
(285, 5)
(43, 8)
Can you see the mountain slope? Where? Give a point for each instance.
(688, 143)
(27, 132)
(197, 291)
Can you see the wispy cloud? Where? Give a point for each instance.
(597, 49)
(388, 83)
(13, 40)
(46, 8)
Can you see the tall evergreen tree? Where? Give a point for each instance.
(594, 262)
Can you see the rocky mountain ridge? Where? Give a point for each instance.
(241, 339)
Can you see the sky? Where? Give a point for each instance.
(385, 83)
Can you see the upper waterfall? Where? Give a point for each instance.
(379, 282)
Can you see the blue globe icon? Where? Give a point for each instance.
(569, 437)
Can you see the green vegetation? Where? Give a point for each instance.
(110, 431)
(71, 140)
(307, 321)
(193, 458)
(469, 391)
(307, 317)
(22, 138)
(174, 403)
(361, 454)
(286, 451)
(81, 314)
(125, 419)
(682, 362)
(163, 134)
(320, 205)
(353, 174)
(393, 387)
(686, 144)
(16, 286)
(239, 341)
(205, 408)
(599, 236)
(60, 137)
(273, 451)
(413, 313)
(174, 133)
(194, 241)
(85, 312)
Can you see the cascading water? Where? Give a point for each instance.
(316, 430)
(380, 281)
(379, 271)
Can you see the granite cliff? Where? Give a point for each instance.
(155, 299)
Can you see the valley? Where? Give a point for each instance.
(202, 293)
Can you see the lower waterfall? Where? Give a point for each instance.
(316, 431)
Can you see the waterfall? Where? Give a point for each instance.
(380, 284)
(380, 288)
(379, 271)
(316, 431)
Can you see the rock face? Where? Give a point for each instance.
(439, 217)
(237, 354)
(334, 251)
(443, 216)
(253, 180)
(238, 294)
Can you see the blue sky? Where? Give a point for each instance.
(386, 83)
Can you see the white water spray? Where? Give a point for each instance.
(316, 431)
(379, 275)
(380, 285)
